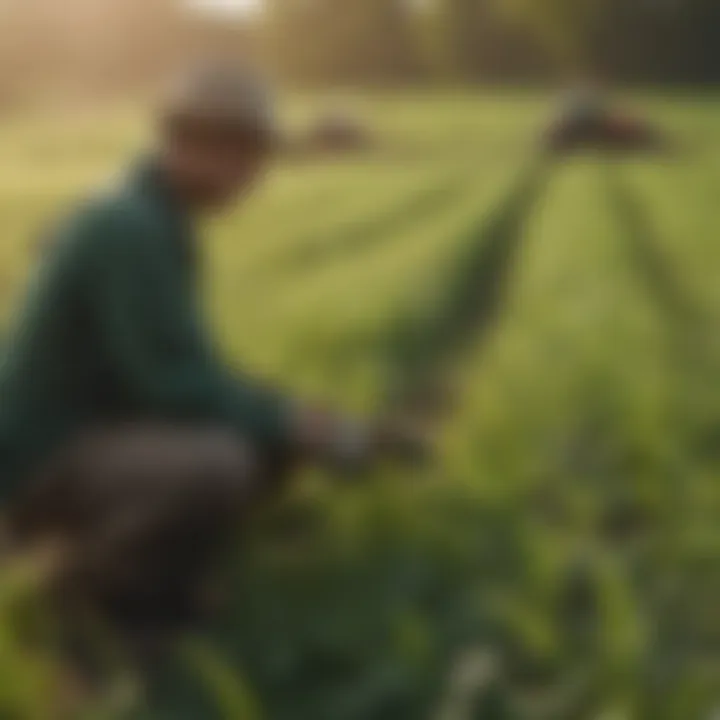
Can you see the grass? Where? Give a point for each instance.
(560, 561)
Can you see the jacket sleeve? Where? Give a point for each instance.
(151, 331)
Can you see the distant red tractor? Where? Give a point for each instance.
(339, 132)
(609, 132)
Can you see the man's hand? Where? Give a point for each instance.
(354, 446)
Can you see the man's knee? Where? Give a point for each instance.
(159, 470)
(222, 468)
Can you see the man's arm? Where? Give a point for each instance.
(150, 329)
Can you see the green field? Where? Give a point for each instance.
(561, 560)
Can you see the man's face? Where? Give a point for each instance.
(218, 167)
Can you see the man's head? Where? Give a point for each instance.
(217, 134)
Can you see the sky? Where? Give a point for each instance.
(243, 7)
(229, 7)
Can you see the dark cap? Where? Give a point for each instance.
(226, 95)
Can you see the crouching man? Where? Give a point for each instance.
(123, 439)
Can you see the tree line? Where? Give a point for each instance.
(109, 45)
(495, 40)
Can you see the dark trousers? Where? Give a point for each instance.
(143, 514)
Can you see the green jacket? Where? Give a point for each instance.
(111, 331)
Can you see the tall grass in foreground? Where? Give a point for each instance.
(561, 560)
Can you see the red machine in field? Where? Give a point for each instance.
(613, 133)
(339, 131)
(586, 121)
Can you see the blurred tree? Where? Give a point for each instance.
(648, 40)
(352, 41)
(484, 42)
(565, 26)
(109, 46)
(436, 58)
